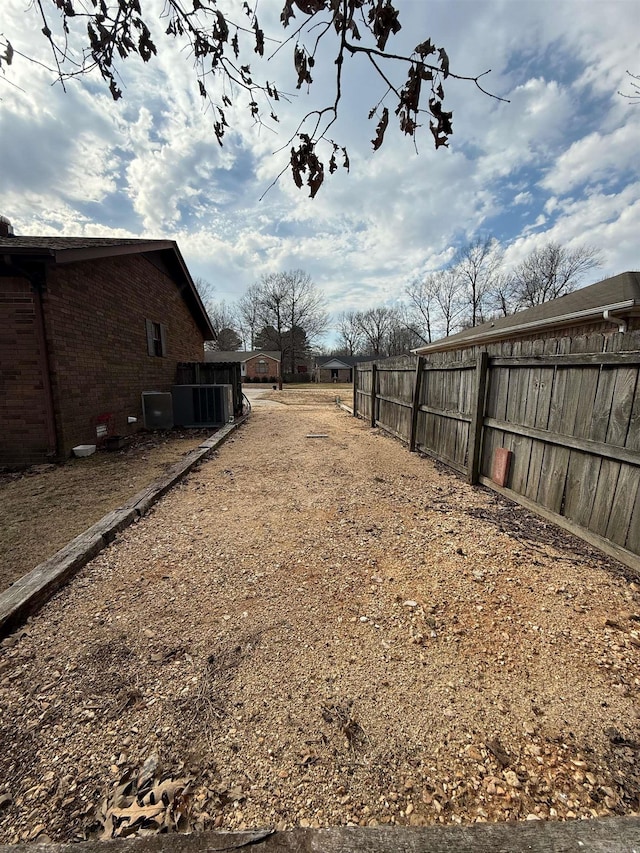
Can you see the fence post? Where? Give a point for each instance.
(355, 390)
(374, 379)
(415, 403)
(477, 418)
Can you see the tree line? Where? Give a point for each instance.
(285, 312)
(282, 312)
(473, 289)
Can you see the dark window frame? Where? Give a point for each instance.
(156, 339)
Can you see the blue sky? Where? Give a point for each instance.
(559, 162)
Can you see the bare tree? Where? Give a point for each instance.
(634, 94)
(273, 308)
(502, 298)
(248, 311)
(450, 300)
(223, 321)
(422, 306)
(552, 271)
(306, 309)
(218, 317)
(477, 265)
(292, 308)
(206, 292)
(401, 339)
(376, 324)
(350, 336)
(222, 44)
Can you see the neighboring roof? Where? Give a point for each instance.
(344, 360)
(620, 295)
(241, 356)
(70, 249)
(66, 250)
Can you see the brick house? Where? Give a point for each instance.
(87, 324)
(255, 366)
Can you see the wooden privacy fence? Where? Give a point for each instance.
(568, 410)
(212, 373)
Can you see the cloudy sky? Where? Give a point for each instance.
(560, 161)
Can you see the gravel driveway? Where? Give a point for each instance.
(318, 631)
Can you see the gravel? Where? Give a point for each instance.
(323, 631)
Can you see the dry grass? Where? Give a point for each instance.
(45, 507)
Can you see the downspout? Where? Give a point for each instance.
(37, 286)
(609, 316)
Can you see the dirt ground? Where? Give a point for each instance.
(46, 506)
(321, 631)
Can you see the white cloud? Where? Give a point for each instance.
(523, 198)
(558, 162)
(596, 157)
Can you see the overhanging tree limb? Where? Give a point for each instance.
(116, 30)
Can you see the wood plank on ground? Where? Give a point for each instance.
(603, 835)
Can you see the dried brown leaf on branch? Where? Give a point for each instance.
(218, 43)
(380, 130)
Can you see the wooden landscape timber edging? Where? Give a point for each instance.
(602, 835)
(31, 591)
(567, 410)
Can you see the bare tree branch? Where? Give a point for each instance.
(116, 30)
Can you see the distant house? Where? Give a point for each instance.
(608, 306)
(87, 325)
(337, 368)
(255, 366)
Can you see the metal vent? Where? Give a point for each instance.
(202, 405)
(157, 409)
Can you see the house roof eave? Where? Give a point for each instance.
(507, 332)
(61, 255)
(88, 253)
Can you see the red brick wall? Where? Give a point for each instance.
(94, 318)
(251, 367)
(95, 314)
(23, 431)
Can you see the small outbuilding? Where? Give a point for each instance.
(87, 324)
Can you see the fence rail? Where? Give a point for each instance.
(568, 410)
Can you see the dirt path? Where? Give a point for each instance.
(319, 631)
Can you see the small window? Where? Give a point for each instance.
(261, 366)
(156, 338)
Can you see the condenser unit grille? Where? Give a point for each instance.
(208, 406)
(202, 405)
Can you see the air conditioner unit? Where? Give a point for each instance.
(202, 405)
(157, 409)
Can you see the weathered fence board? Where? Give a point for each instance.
(568, 409)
